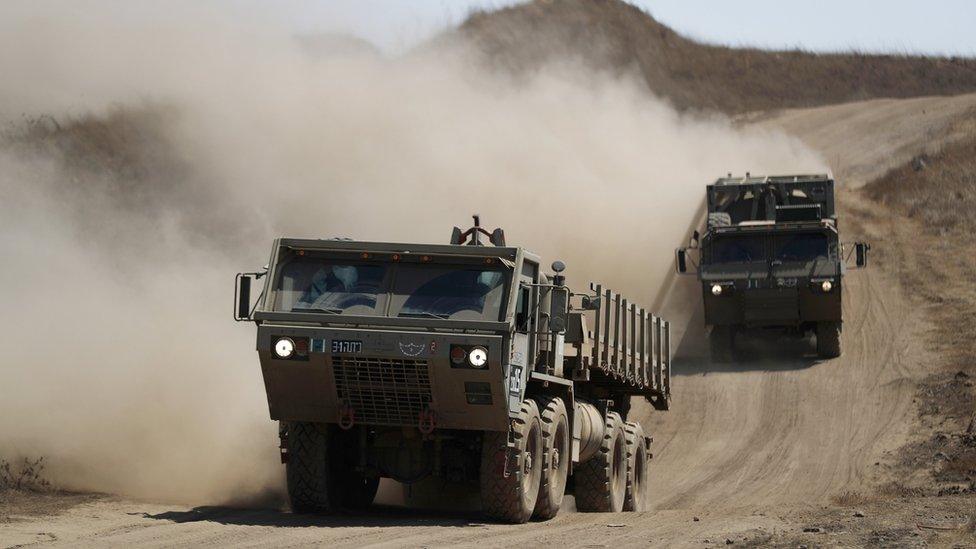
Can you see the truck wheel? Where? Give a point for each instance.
(637, 465)
(309, 476)
(358, 491)
(721, 342)
(828, 339)
(601, 481)
(509, 493)
(556, 452)
(352, 489)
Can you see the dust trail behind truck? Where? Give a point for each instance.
(466, 363)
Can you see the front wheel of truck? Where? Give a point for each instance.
(309, 476)
(828, 339)
(556, 438)
(510, 477)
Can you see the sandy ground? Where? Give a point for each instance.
(781, 449)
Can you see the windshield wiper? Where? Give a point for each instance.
(425, 314)
(329, 310)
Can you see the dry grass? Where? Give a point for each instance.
(614, 36)
(853, 499)
(937, 190)
(28, 476)
(937, 195)
(962, 466)
(126, 145)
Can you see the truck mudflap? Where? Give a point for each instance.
(629, 348)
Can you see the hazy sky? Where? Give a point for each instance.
(933, 26)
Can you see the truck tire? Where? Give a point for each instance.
(510, 478)
(309, 476)
(556, 456)
(721, 341)
(358, 491)
(352, 489)
(637, 466)
(601, 481)
(828, 339)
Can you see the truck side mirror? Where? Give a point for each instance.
(682, 260)
(558, 309)
(591, 303)
(242, 297)
(861, 254)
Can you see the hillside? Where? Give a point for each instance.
(928, 206)
(615, 36)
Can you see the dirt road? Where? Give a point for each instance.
(863, 140)
(747, 455)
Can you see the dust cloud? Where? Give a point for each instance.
(121, 230)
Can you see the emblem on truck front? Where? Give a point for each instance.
(412, 349)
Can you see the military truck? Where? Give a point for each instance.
(464, 363)
(770, 260)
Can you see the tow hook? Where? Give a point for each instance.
(426, 421)
(347, 418)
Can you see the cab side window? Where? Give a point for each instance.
(523, 311)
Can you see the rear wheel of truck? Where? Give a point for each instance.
(637, 465)
(601, 481)
(510, 478)
(556, 456)
(311, 483)
(721, 342)
(828, 339)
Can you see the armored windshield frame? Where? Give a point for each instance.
(766, 231)
(511, 257)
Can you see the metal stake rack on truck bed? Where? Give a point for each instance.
(628, 347)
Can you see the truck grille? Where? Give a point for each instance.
(771, 305)
(383, 391)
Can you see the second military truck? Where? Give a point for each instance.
(466, 363)
(770, 260)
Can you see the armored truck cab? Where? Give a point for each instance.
(463, 362)
(771, 259)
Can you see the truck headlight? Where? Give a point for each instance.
(284, 347)
(478, 357)
(716, 289)
(827, 286)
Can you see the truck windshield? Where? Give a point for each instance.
(327, 286)
(448, 292)
(800, 247)
(738, 249)
(336, 287)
